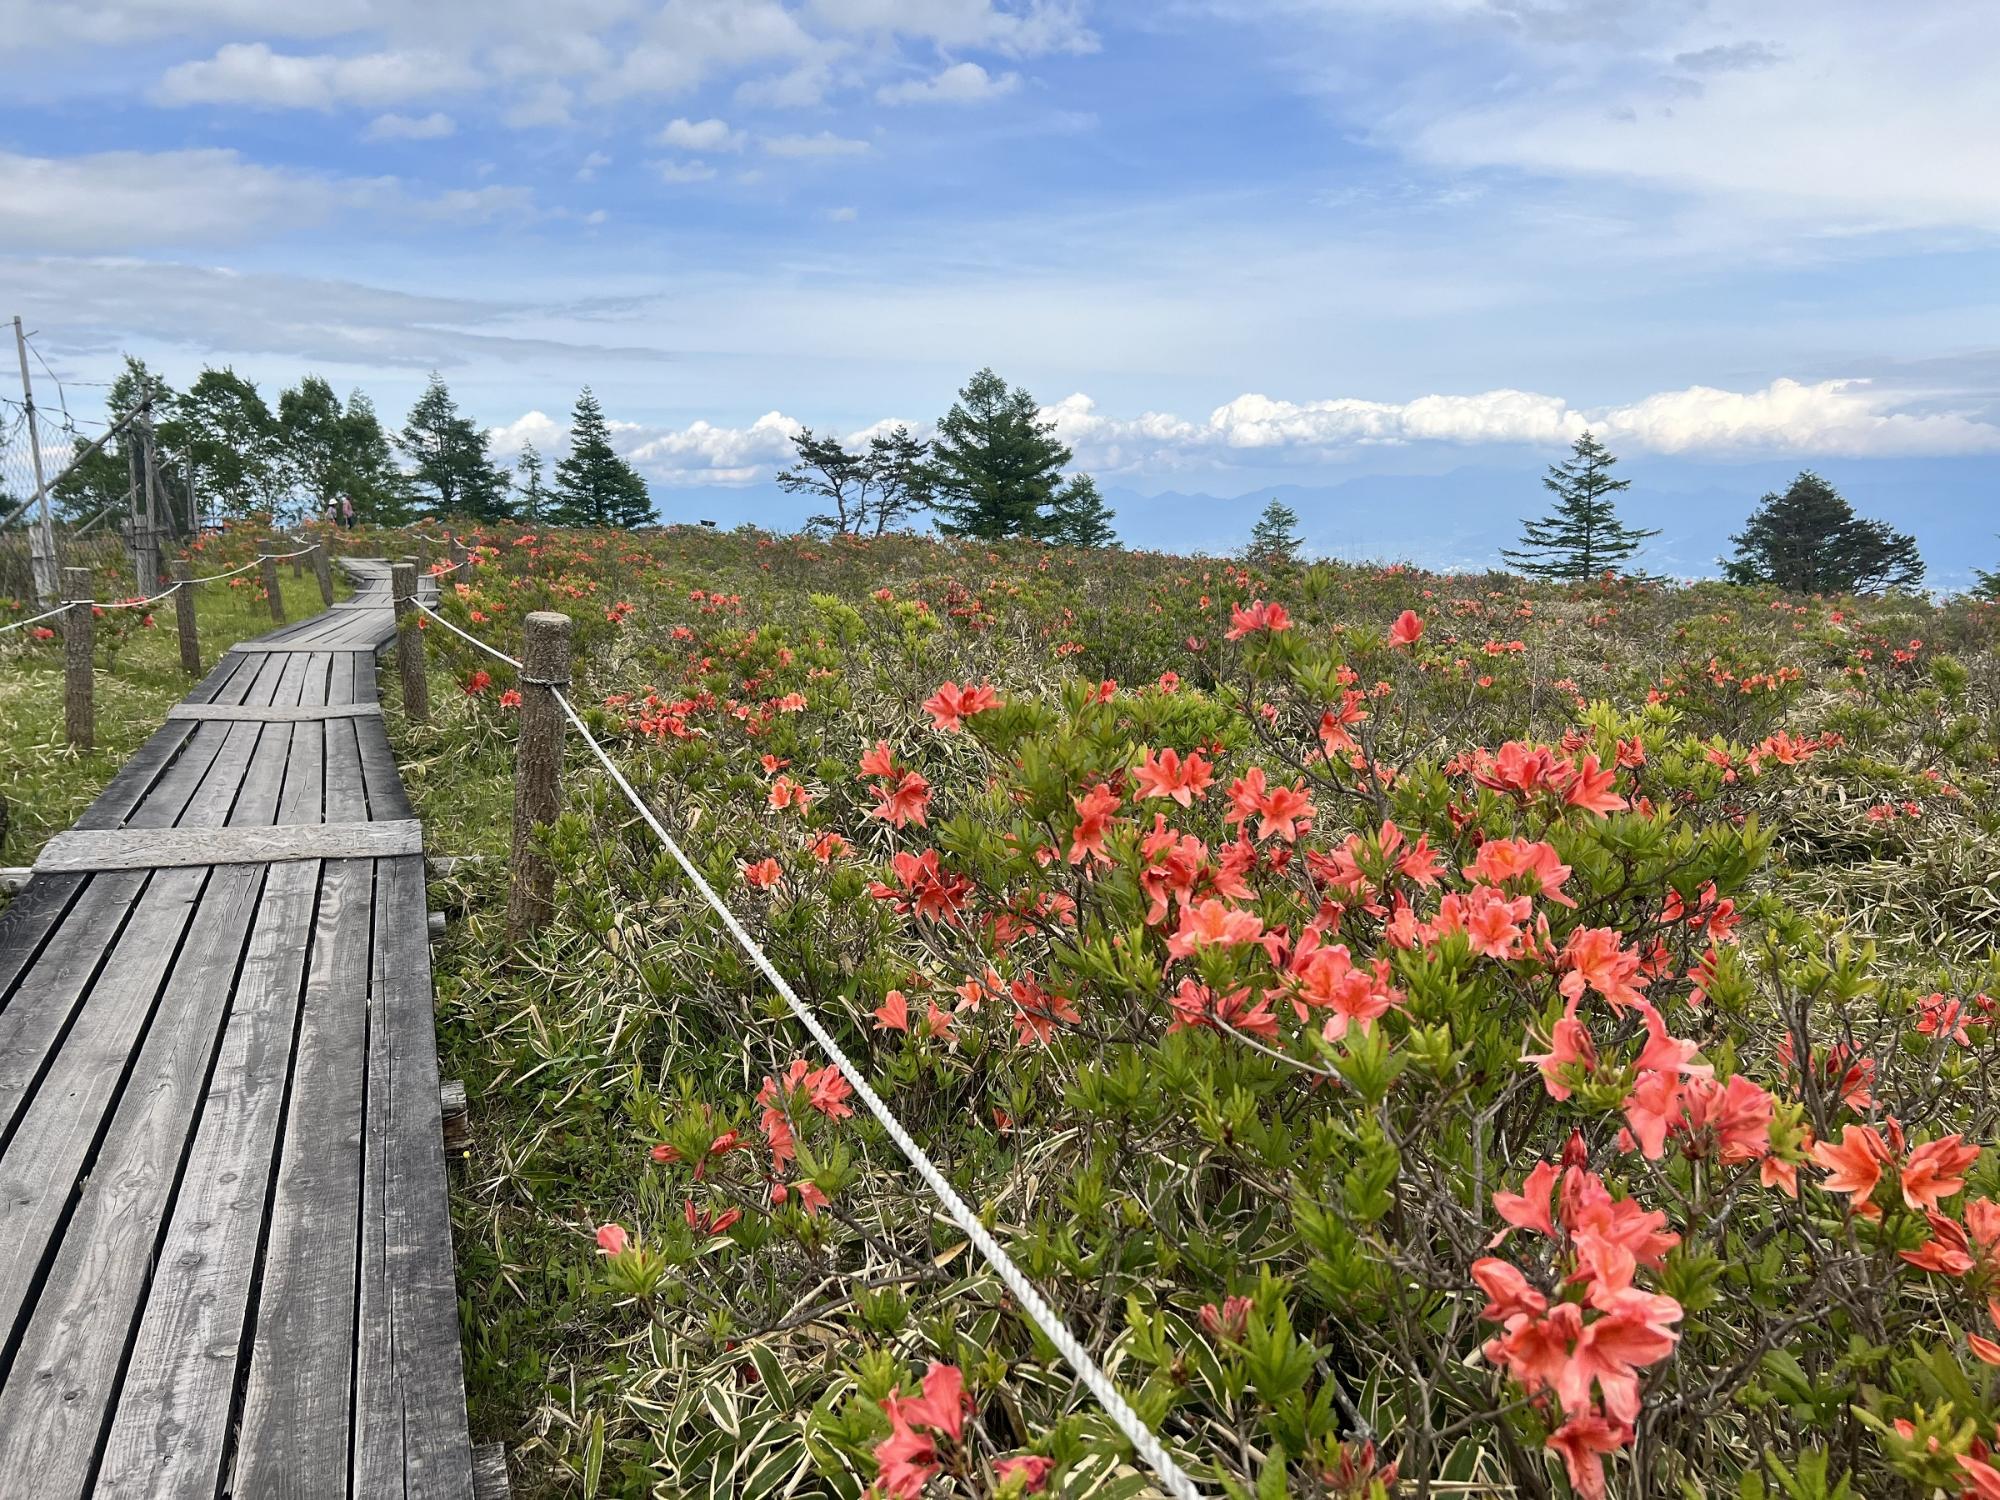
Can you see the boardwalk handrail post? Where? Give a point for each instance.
(423, 552)
(79, 716)
(269, 573)
(458, 553)
(410, 642)
(537, 768)
(323, 572)
(184, 617)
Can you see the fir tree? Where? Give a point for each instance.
(996, 462)
(1809, 541)
(905, 482)
(1275, 537)
(1079, 516)
(532, 496)
(449, 454)
(1582, 538)
(369, 476)
(594, 486)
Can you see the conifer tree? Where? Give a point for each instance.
(1582, 538)
(905, 482)
(531, 495)
(1079, 517)
(449, 452)
(1275, 537)
(996, 462)
(594, 486)
(1809, 541)
(369, 477)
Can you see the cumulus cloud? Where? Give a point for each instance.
(700, 135)
(393, 127)
(250, 73)
(1847, 418)
(544, 431)
(1026, 30)
(961, 83)
(684, 171)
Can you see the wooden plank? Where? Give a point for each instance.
(304, 713)
(170, 1432)
(45, 1002)
(65, 1375)
(297, 1403)
(386, 795)
(251, 648)
(173, 747)
(304, 797)
(410, 1433)
(28, 923)
(256, 801)
(202, 787)
(56, 1134)
(168, 848)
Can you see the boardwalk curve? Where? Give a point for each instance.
(225, 1248)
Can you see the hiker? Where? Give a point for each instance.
(347, 511)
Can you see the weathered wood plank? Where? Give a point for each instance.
(167, 848)
(28, 922)
(57, 1131)
(408, 1373)
(304, 713)
(59, 1393)
(45, 1001)
(386, 795)
(298, 1397)
(171, 1426)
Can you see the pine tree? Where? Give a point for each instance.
(594, 486)
(532, 495)
(1079, 517)
(1582, 538)
(1275, 537)
(824, 468)
(226, 433)
(311, 428)
(997, 463)
(905, 482)
(1809, 541)
(449, 452)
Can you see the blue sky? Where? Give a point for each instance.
(1229, 243)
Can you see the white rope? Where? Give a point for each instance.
(218, 577)
(284, 556)
(47, 614)
(475, 640)
(1030, 1300)
(139, 603)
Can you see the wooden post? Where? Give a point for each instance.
(537, 768)
(79, 717)
(458, 556)
(323, 571)
(146, 539)
(423, 553)
(184, 617)
(269, 573)
(410, 643)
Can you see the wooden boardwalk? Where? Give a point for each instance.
(225, 1251)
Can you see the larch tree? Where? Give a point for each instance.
(447, 452)
(594, 486)
(996, 463)
(1582, 538)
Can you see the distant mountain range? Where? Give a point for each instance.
(1462, 517)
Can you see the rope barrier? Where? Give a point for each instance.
(1031, 1301)
(47, 614)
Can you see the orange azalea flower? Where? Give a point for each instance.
(1165, 774)
(1407, 630)
(1854, 1165)
(1936, 1170)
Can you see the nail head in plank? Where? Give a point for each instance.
(159, 848)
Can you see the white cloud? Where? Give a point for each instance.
(686, 41)
(803, 87)
(90, 203)
(961, 83)
(392, 127)
(547, 434)
(684, 171)
(250, 73)
(591, 165)
(825, 144)
(844, 215)
(702, 453)
(1027, 30)
(544, 106)
(700, 135)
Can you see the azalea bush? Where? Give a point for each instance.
(1422, 1034)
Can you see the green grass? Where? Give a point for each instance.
(45, 783)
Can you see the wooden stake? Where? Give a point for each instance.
(269, 573)
(410, 643)
(79, 715)
(184, 617)
(537, 768)
(323, 571)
